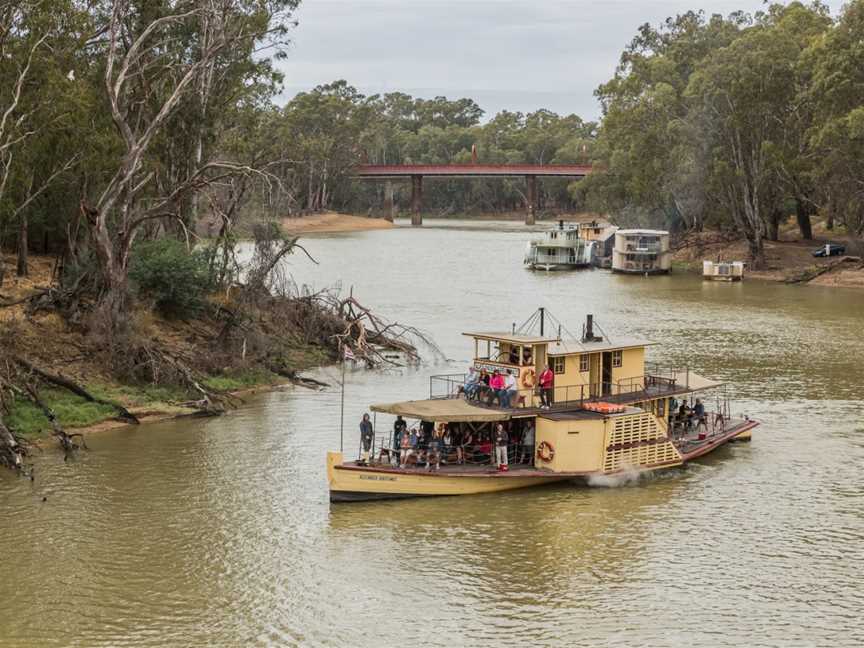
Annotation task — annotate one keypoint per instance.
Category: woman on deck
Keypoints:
(409, 440)
(434, 454)
(547, 387)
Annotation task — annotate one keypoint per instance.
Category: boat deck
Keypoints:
(457, 470)
(648, 393)
(689, 445)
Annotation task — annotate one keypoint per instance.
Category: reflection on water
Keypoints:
(219, 532)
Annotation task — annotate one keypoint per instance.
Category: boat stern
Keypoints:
(333, 459)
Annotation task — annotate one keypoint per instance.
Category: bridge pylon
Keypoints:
(531, 211)
(416, 200)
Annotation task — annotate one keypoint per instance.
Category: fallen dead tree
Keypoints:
(809, 274)
(21, 379)
(13, 449)
(75, 388)
(370, 337)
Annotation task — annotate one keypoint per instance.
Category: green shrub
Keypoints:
(174, 278)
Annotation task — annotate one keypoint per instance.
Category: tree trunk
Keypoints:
(115, 299)
(802, 213)
(773, 225)
(757, 251)
(829, 224)
(23, 268)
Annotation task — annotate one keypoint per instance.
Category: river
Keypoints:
(219, 532)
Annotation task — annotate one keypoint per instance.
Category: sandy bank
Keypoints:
(789, 261)
(333, 222)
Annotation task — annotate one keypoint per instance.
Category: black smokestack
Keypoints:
(588, 336)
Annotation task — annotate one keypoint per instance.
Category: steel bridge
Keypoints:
(417, 172)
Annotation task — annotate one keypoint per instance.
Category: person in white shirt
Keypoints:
(509, 391)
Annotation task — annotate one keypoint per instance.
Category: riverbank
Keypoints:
(72, 351)
(332, 222)
(788, 260)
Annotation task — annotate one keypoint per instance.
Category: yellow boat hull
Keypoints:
(746, 435)
(349, 484)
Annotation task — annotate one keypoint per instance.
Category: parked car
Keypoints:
(829, 249)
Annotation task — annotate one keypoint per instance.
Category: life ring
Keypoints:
(545, 451)
(528, 378)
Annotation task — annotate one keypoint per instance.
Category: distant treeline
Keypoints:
(127, 119)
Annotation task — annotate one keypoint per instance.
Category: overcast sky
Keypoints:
(505, 54)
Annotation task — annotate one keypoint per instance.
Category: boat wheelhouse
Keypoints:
(563, 248)
(606, 413)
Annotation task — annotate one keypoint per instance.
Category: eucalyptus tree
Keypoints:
(38, 41)
(836, 89)
(650, 166)
(160, 60)
(745, 100)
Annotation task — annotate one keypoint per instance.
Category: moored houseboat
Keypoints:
(606, 413)
(563, 248)
(641, 251)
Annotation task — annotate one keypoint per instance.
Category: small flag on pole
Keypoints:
(348, 353)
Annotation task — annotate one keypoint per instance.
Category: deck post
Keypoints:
(416, 200)
(530, 215)
(389, 207)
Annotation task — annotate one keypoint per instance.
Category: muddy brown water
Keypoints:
(219, 532)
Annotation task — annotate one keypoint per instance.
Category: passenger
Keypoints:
(501, 441)
(483, 447)
(699, 414)
(447, 442)
(527, 455)
(426, 430)
(458, 441)
(527, 360)
(399, 427)
(367, 434)
(483, 385)
(496, 388)
(514, 356)
(547, 387)
(472, 384)
(510, 390)
(409, 441)
(434, 454)
(468, 446)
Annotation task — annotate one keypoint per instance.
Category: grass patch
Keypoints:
(242, 380)
(685, 266)
(29, 421)
(139, 395)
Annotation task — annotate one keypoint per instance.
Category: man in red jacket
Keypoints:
(547, 387)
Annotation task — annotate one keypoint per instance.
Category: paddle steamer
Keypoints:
(563, 248)
(611, 415)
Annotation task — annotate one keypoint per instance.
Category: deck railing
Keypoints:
(632, 389)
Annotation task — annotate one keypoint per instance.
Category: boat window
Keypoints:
(661, 407)
(558, 364)
(584, 362)
(616, 358)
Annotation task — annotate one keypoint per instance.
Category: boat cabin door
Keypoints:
(539, 358)
(606, 386)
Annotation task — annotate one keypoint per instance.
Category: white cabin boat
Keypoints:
(560, 249)
(723, 270)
